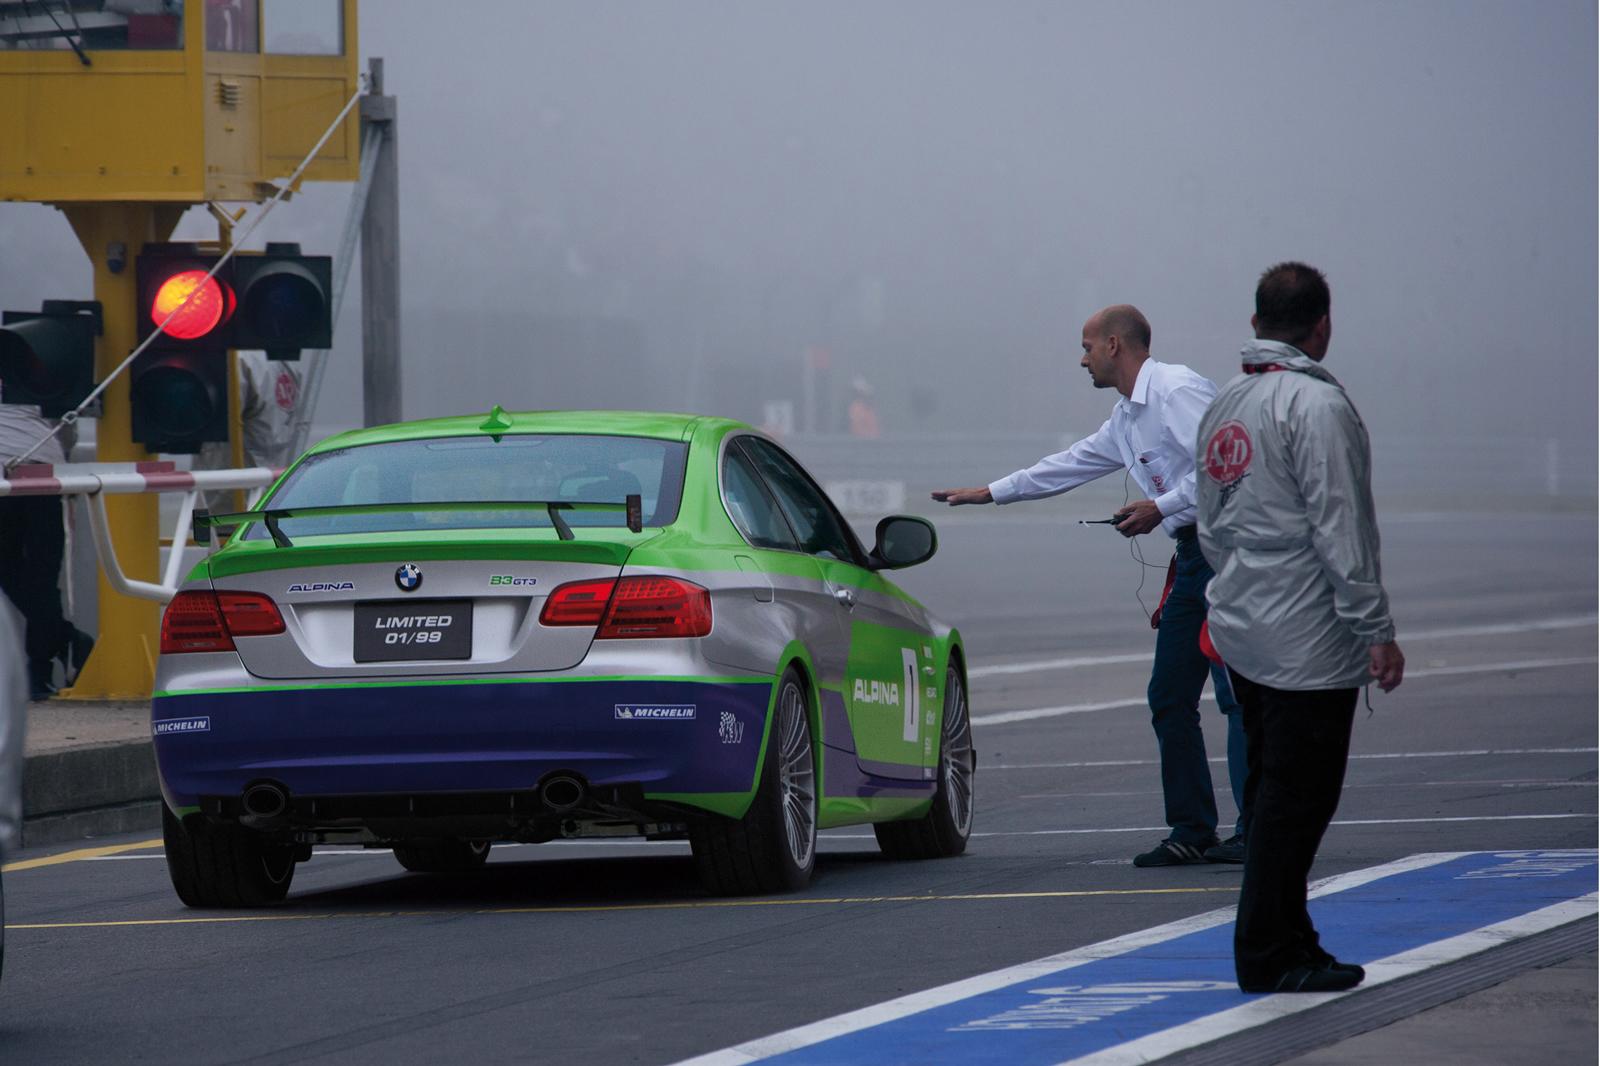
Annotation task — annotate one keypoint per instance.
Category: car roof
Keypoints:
(660, 425)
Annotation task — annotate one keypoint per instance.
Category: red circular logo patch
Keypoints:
(1228, 453)
(286, 391)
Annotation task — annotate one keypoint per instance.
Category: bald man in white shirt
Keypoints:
(1151, 434)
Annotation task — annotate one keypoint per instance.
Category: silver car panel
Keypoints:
(320, 625)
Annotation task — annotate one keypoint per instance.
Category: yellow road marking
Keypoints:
(839, 900)
(585, 909)
(79, 855)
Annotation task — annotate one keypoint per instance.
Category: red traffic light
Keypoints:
(196, 303)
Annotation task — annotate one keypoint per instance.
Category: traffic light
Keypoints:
(180, 383)
(47, 356)
(277, 300)
(285, 301)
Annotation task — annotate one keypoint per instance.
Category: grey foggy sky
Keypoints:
(940, 193)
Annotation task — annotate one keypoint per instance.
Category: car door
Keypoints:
(779, 596)
(890, 684)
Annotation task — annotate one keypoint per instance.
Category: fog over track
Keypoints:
(669, 206)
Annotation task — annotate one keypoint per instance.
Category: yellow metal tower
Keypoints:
(123, 120)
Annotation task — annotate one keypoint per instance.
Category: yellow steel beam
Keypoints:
(123, 663)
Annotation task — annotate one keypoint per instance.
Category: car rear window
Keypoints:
(566, 468)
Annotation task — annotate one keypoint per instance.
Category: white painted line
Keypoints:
(1538, 783)
(1380, 971)
(867, 1017)
(1372, 755)
(1029, 715)
(1032, 713)
(1511, 667)
(1029, 666)
(1336, 821)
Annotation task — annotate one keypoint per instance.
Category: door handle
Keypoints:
(845, 596)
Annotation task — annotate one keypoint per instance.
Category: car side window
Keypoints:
(750, 505)
(813, 518)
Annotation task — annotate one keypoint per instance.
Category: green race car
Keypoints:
(440, 634)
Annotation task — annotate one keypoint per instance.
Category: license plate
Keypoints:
(413, 629)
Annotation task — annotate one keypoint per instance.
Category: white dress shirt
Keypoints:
(1151, 433)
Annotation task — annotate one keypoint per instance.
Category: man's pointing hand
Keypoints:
(957, 497)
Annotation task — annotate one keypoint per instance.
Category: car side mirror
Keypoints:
(903, 540)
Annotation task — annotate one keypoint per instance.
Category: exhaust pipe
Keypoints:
(562, 792)
(264, 801)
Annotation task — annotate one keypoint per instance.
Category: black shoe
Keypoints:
(74, 655)
(1334, 977)
(1172, 853)
(1328, 962)
(41, 675)
(1230, 850)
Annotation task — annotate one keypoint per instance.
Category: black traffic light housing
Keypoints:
(180, 399)
(285, 301)
(179, 384)
(47, 356)
(277, 300)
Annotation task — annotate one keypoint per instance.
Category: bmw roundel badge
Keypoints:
(408, 577)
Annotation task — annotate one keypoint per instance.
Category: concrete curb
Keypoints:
(88, 792)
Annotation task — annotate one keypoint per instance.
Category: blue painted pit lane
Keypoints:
(1151, 994)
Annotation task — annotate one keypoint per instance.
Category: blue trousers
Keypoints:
(1176, 681)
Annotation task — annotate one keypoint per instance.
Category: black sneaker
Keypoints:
(1313, 978)
(1230, 850)
(1173, 853)
(1324, 961)
(41, 674)
(74, 655)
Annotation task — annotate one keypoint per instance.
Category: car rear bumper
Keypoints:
(667, 736)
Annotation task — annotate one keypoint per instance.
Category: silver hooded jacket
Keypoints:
(13, 708)
(1286, 520)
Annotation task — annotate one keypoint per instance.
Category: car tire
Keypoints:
(443, 856)
(773, 848)
(220, 865)
(944, 830)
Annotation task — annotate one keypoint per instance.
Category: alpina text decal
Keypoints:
(885, 692)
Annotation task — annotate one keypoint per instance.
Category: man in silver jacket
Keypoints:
(13, 705)
(1297, 610)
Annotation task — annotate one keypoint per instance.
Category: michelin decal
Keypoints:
(654, 712)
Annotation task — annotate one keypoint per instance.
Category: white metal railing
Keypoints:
(95, 481)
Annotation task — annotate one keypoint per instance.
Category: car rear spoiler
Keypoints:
(633, 507)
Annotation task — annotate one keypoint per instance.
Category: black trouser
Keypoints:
(31, 544)
(1297, 744)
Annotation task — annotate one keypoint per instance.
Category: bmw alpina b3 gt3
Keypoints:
(438, 635)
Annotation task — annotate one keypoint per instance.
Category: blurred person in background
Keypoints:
(863, 413)
(32, 542)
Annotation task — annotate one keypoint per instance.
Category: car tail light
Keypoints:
(656, 607)
(201, 620)
(250, 614)
(631, 607)
(578, 603)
